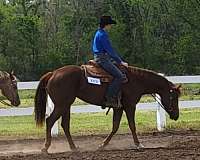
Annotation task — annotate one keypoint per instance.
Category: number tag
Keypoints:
(94, 80)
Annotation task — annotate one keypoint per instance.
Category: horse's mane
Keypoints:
(140, 71)
(152, 76)
(142, 74)
(3, 74)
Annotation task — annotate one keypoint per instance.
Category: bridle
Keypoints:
(171, 98)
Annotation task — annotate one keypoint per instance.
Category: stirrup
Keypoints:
(113, 103)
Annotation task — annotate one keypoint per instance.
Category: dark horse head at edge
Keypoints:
(65, 84)
(8, 87)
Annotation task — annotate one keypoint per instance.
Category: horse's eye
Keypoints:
(14, 84)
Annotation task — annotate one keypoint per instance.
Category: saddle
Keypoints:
(92, 69)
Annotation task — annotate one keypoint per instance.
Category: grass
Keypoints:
(99, 123)
(96, 123)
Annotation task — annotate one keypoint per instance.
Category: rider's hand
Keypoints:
(124, 64)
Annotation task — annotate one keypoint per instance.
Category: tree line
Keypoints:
(37, 36)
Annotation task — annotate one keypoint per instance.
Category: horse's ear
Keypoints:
(179, 86)
(179, 89)
(13, 76)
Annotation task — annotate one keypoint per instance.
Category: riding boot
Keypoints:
(113, 101)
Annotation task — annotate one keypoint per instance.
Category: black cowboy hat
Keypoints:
(104, 20)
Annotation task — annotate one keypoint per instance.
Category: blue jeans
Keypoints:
(105, 62)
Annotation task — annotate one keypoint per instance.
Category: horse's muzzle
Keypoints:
(16, 103)
(174, 117)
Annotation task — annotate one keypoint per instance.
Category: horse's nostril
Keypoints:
(15, 103)
(18, 103)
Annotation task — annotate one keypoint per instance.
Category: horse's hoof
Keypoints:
(137, 147)
(101, 147)
(44, 150)
(75, 149)
(140, 147)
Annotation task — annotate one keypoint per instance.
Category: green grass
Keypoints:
(96, 123)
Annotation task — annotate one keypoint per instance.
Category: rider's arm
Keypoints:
(108, 48)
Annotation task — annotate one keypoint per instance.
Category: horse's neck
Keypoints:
(149, 82)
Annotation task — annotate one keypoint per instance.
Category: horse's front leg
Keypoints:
(130, 114)
(117, 114)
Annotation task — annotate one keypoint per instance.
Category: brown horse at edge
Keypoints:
(65, 84)
(8, 87)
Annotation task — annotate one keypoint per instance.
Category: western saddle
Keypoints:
(92, 69)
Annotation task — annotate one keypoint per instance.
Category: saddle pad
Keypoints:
(97, 72)
(92, 69)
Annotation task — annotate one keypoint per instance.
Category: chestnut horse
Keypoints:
(65, 84)
(8, 87)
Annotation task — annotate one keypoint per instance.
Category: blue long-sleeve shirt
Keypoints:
(101, 44)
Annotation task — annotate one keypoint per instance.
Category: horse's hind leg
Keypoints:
(117, 114)
(49, 124)
(66, 127)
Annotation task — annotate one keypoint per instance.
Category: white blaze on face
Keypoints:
(49, 106)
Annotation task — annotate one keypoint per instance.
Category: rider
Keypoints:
(103, 55)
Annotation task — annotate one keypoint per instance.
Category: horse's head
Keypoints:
(169, 100)
(9, 88)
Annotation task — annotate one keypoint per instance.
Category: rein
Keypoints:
(157, 99)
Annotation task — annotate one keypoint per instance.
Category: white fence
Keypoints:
(161, 118)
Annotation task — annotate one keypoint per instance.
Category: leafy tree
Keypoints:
(37, 36)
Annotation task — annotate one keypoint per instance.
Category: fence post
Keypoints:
(161, 115)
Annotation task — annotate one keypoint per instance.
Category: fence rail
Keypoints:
(174, 79)
(161, 118)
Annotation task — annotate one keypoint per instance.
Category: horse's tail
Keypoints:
(41, 99)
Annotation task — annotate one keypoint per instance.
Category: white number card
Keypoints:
(94, 80)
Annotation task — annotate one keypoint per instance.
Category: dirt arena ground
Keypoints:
(171, 145)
